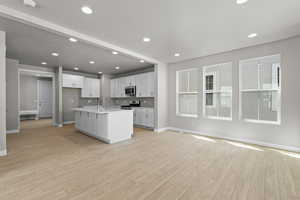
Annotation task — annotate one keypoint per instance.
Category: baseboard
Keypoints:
(158, 130)
(69, 122)
(255, 142)
(3, 153)
(12, 131)
(58, 125)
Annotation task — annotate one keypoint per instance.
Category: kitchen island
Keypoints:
(110, 126)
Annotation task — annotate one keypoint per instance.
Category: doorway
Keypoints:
(36, 99)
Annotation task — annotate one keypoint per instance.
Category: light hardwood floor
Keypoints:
(48, 163)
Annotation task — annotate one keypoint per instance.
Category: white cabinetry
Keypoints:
(144, 117)
(113, 88)
(72, 81)
(103, 125)
(144, 85)
(91, 88)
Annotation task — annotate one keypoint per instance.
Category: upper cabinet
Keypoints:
(91, 88)
(144, 85)
(72, 81)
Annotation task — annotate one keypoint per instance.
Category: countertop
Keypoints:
(101, 111)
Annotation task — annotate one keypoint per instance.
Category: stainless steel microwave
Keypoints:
(130, 91)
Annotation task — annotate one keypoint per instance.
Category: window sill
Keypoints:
(262, 122)
(187, 115)
(218, 118)
(261, 90)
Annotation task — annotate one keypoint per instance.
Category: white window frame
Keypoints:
(178, 93)
(241, 91)
(214, 91)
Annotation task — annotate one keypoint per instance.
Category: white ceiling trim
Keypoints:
(66, 32)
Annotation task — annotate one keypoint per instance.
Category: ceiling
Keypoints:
(32, 46)
(193, 28)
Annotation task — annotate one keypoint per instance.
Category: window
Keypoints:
(217, 91)
(260, 89)
(209, 82)
(187, 93)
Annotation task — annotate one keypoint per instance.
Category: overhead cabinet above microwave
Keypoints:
(143, 83)
(90, 87)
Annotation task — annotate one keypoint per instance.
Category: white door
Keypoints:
(45, 98)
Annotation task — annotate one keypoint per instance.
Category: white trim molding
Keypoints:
(255, 142)
(12, 131)
(3, 152)
(60, 30)
(58, 125)
(159, 130)
(69, 122)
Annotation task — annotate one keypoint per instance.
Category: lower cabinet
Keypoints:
(144, 117)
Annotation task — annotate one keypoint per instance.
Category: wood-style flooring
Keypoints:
(48, 163)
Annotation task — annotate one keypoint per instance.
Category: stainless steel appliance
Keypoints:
(130, 91)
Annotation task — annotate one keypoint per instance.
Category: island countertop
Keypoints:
(101, 111)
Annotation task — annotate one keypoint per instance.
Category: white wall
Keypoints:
(12, 94)
(287, 134)
(12, 67)
(2, 94)
(28, 92)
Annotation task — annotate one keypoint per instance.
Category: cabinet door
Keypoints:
(146, 117)
(150, 117)
(121, 88)
(72, 81)
(140, 116)
(101, 125)
(77, 120)
(112, 88)
(96, 88)
(84, 121)
(78, 81)
(151, 84)
(134, 117)
(67, 80)
(145, 92)
(131, 81)
(93, 124)
(91, 88)
(85, 89)
(141, 85)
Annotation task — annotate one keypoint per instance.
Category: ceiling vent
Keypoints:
(30, 3)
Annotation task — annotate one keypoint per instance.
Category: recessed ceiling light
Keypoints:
(44, 63)
(54, 54)
(177, 54)
(252, 35)
(92, 62)
(76, 68)
(30, 3)
(99, 72)
(146, 39)
(117, 67)
(115, 53)
(38, 75)
(142, 61)
(241, 1)
(86, 10)
(73, 39)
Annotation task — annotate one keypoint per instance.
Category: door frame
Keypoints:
(40, 74)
